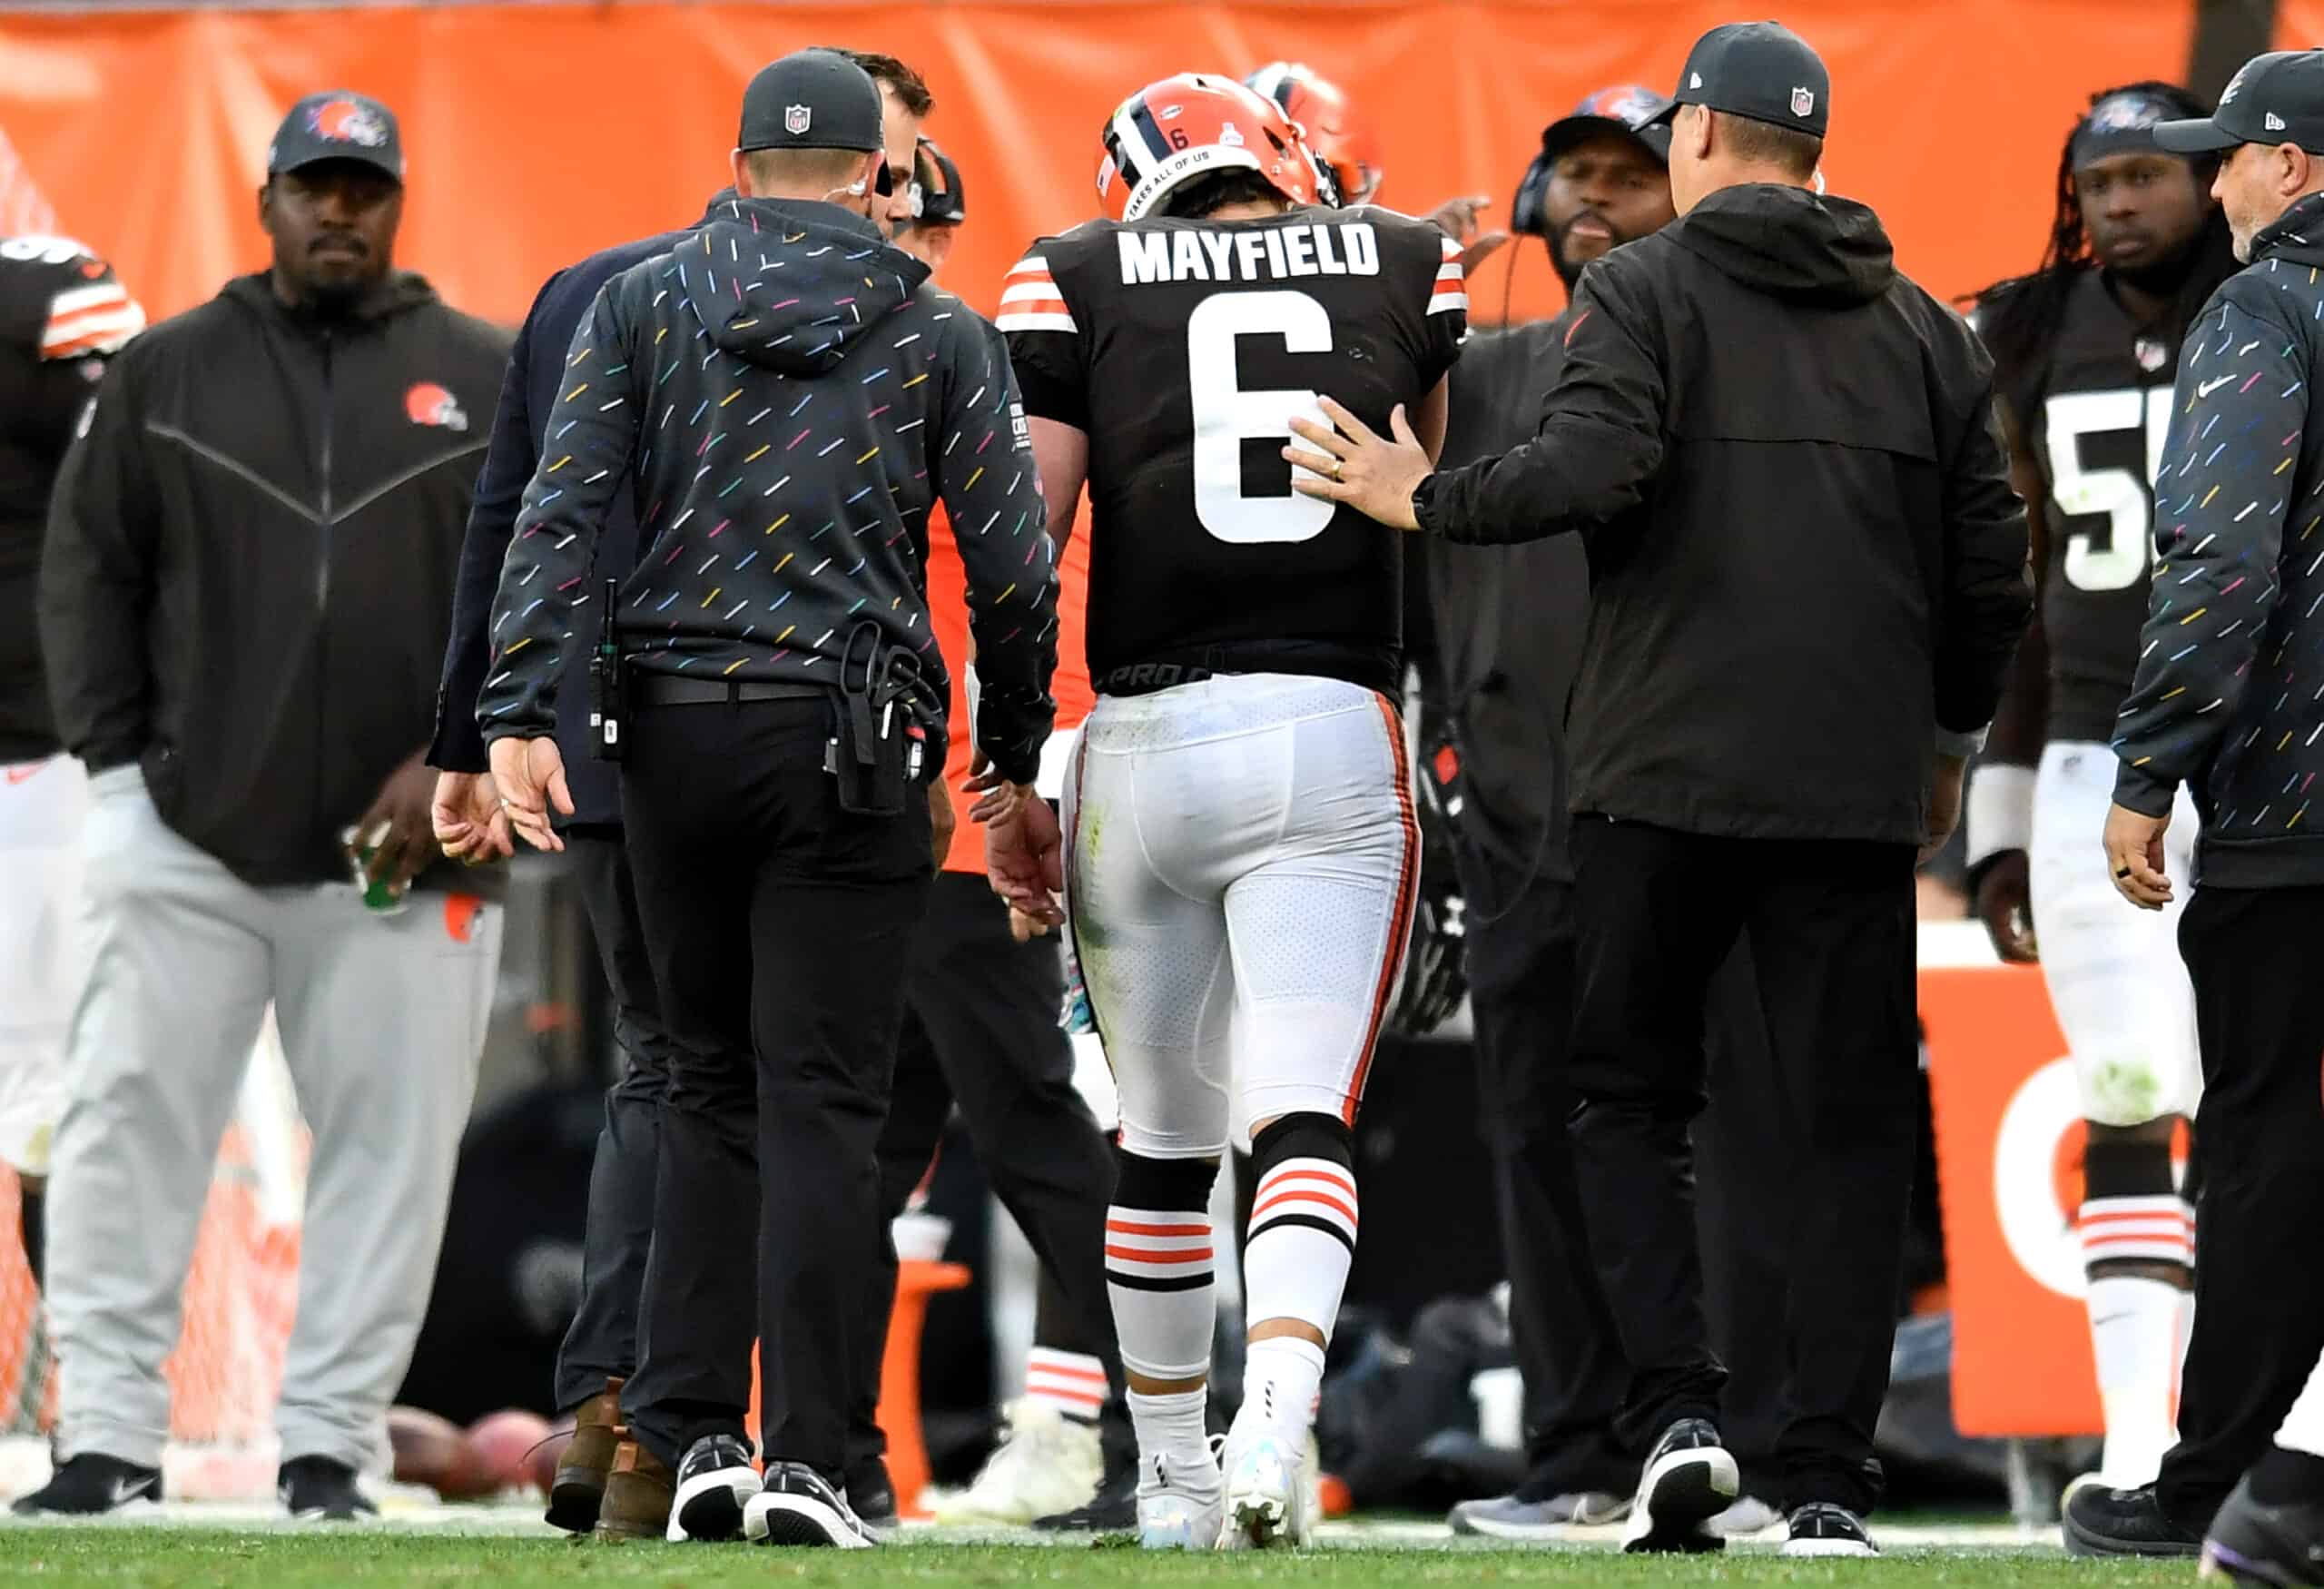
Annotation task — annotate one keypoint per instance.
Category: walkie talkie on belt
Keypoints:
(607, 705)
(876, 750)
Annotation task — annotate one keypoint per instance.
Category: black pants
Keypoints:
(778, 926)
(2260, 1152)
(1831, 934)
(1521, 993)
(1520, 990)
(981, 1030)
(601, 1340)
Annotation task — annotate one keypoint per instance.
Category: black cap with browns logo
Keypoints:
(1761, 70)
(336, 125)
(1641, 113)
(2277, 98)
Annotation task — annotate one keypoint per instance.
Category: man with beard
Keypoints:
(1509, 622)
(2085, 349)
(242, 611)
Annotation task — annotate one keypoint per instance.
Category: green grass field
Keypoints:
(167, 1558)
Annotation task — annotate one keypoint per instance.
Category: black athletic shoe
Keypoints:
(715, 1482)
(1689, 1479)
(2251, 1542)
(872, 1495)
(315, 1489)
(90, 1484)
(1112, 1510)
(1820, 1529)
(799, 1506)
(2099, 1521)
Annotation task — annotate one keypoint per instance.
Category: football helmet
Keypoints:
(1193, 124)
(1325, 117)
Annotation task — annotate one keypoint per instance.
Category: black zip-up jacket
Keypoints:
(534, 380)
(1805, 559)
(249, 560)
(1509, 622)
(784, 400)
(2228, 695)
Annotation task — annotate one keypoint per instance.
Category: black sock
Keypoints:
(32, 1210)
(2288, 1478)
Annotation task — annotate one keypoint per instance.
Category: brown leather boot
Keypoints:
(638, 1494)
(579, 1487)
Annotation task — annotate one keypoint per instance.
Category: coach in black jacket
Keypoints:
(1809, 574)
(784, 400)
(242, 609)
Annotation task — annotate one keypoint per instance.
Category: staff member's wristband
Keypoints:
(1999, 812)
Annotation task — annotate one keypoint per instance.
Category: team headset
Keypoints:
(1529, 211)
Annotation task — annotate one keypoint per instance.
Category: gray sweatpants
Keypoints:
(382, 1018)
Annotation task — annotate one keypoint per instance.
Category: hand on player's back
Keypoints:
(1349, 462)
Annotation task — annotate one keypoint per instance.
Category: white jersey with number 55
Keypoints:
(1183, 349)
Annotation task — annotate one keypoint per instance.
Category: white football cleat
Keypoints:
(1271, 1496)
(1045, 1463)
(1181, 1503)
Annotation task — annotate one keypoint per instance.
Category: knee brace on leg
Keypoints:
(1160, 1266)
(1303, 1222)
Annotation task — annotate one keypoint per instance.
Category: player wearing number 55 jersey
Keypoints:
(1240, 851)
(2086, 349)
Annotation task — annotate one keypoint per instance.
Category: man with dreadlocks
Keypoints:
(2086, 350)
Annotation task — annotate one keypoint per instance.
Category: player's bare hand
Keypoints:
(1945, 804)
(530, 776)
(1349, 462)
(1024, 857)
(2004, 904)
(2134, 856)
(468, 819)
(402, 817)
(943, 822)
(1024, 928)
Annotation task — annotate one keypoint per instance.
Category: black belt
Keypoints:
(669, 689)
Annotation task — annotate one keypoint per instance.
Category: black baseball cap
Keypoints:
(1761, 70)
(813, 99)
(2276, 98)
(941, 203)
(1626, 108)
(337, 125)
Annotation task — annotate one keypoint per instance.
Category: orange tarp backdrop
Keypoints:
(540, 132)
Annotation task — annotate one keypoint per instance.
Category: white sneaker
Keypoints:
(1045, 1463)
(1272, 1493)
(1181, 1502)
(715, 1483)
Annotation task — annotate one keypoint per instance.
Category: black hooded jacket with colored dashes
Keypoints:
(785, 398)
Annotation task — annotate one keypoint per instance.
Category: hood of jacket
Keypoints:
(792, 285)
(2298, 234)
(1791, 243)
(397, 293)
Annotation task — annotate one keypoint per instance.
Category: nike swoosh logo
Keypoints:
(2210, 387)
(125, 1490)
(24, 774)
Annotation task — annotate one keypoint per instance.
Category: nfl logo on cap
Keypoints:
(1803, 102)
(795, 118)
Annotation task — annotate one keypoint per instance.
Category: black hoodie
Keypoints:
(1806, 558)
(784, 400)
(244, 584)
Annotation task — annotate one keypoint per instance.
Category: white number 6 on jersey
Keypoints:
(1225, 416)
